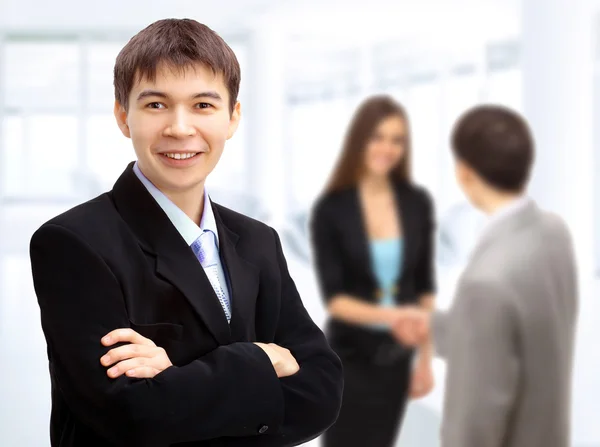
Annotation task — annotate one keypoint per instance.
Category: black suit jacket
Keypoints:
(343, 262)
(117, 261)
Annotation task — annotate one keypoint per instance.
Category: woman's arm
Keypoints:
(354, 310)
(425, 279)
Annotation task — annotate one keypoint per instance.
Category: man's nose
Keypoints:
(181, 125)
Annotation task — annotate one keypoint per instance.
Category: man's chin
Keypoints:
(183, 187)
(179, 182)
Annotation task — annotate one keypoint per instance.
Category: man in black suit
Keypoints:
(169, 319)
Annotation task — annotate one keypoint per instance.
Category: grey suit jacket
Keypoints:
(508, 337)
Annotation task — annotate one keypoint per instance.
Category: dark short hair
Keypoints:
(369, 114)
(495, 142)
(180, 43)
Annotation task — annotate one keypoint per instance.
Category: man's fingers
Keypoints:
(409, 332)
(282, 359)
(126, 335)
(122, 367)
(126, 352)
(142, 372)
(411, 326)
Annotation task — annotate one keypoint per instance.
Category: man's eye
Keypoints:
(203, 105)
(155, 105)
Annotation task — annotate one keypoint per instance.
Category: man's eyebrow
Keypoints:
(148, 93)
(208, 94)
(156, 93)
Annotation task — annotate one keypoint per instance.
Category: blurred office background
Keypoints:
(305, 66)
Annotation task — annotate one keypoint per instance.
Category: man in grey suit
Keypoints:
(508, 337)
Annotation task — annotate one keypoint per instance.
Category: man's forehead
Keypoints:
(167, 73)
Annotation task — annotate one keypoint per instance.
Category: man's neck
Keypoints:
(493, 202)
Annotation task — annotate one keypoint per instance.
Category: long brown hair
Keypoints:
(367, 117)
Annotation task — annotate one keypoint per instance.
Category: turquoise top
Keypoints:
(386, 262)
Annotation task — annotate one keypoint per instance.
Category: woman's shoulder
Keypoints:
(415, 192)
(332, 201)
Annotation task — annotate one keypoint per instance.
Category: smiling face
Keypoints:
(386, 147)
(178, 125)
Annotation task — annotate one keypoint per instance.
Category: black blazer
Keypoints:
(343, 262)
(117, 261)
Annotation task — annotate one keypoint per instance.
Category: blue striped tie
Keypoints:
(205, 249)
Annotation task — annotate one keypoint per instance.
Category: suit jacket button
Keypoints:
(263, 429)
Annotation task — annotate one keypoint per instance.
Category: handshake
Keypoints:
(410, 325)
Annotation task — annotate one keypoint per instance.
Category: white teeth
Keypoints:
(180, 156)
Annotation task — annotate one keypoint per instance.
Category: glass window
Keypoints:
(52, 161)
(108, 152)
(40, 153)
(316, 136)
(596, 146)
(41, 74)
(423, 107)
(504, 87)
(13, 160)
(100, 65)
(400, 94)
(503, 82)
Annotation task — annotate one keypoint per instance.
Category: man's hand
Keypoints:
(282, 359)
(422, 381)
(412, 325)
(140, 359)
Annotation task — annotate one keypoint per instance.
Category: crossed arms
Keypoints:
(229, 392)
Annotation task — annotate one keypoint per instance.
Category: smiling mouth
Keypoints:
(180, 156)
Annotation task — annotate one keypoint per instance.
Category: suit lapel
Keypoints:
(186, 273)
(175, 261)
(243, 279)
(409, 225)
(360, 234)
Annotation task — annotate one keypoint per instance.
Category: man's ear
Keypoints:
(121, 117)
(234, 120)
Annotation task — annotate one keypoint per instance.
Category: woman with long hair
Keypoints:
(372, 239)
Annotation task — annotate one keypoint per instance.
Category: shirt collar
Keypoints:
(184, 225)
(507, 210)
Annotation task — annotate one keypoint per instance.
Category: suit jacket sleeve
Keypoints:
(439, 327)
(483, 366)
(313, 395)
(326, 253)
(232, 391)
(425, 271)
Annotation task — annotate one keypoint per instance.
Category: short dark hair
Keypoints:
(496, 142)
(369, 114)
(180, 43)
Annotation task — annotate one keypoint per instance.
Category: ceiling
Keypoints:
(310, 22)
(127, 15)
